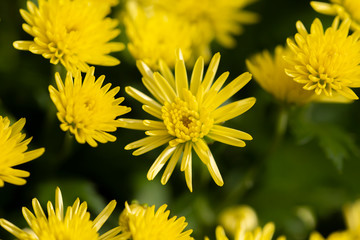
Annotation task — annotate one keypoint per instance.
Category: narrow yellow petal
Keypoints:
(141, 97)
(167, 89)
(152, 111)
(160, 162)
(11, 228)
(225, 131)
(133, 124)
(39, 212)
(59, 205)
(104, 215)
(233, 110)
(226, 139)
(181, 80)
(211, 72)
(230, 90)
(197, 75)
(166, 72)
(186, 155)
(23, 45)
(172, 163)
(188, 173)
(322, 7)
(214, 170)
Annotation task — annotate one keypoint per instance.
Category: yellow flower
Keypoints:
(341, 235)
(102, 5)
(86, 108)
(13, 152)
(75, 225)
(72, 32)
(212, 20)
(156, 35)
(209, 20)
(352, 218)
(326, 62)
(143, 223)
(258, 234)
(269, 72)
(186, 115)
(342, 8)
(242, 215)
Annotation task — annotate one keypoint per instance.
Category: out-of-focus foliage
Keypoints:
(298, 177)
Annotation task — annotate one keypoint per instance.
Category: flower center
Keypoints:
(185, 121)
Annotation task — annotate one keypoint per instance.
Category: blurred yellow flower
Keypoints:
(72, 32)
(352, 218)
(269, 72)
(145, 224)
(187, 114)
(209, 20)
(13, 152)
(326, 62)
(86, 108)
(258, 234)
(155, 35)
(234, 217)
(75, 225)
(219, 19)
(102, 5)
(341, 235)
(342, 8)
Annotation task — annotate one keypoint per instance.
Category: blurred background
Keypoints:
(300, 182)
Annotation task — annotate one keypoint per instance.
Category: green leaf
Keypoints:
(336, 143)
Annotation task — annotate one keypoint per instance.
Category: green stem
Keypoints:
(67, 147)
(281, 127)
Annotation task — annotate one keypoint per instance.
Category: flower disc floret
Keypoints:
(185, 122)
(13, 152)
(326, 62)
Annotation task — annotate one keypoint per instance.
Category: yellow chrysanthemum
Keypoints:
(341, 235)
(75, 225)
(212, 19)
(186, 115)
(86, 108)
(156, 35)
(103, 5)
(242, 215)
(72, 32)
(241, 234)
(342, 8)
(326, 62)
(352, 218)
(13, 152)
(269, 72)
(143, 223)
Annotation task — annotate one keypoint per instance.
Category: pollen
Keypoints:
(185, 122)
